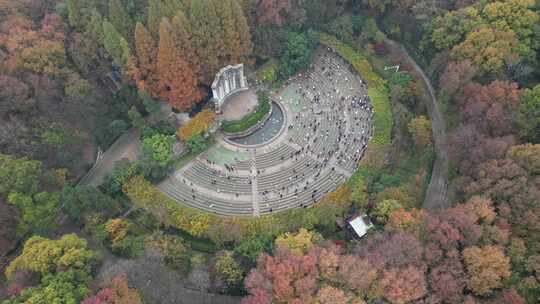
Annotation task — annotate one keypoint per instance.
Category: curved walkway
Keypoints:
(437, 192)
(127, 146)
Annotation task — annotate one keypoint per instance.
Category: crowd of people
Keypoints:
(336, 113)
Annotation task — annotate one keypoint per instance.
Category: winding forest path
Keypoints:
(437, 192)
(126, 146)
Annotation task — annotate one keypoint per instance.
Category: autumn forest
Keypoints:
(449, 181)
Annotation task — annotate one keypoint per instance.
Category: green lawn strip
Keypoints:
(382, 118)
(222, 156)
(185, 159)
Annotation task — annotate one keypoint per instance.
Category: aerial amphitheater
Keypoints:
(308, 143)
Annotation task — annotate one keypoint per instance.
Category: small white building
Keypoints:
(360, 225)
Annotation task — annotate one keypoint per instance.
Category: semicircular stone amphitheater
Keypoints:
(326, 129)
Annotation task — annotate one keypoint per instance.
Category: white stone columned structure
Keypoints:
(228, 81)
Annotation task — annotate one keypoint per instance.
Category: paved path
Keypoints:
(437, 192)
(126, 146)
(254, 186)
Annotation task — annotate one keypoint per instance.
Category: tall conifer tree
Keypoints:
(145, 48)
(121, 20)
(119, 49)
(229, 33)
(207, 38)
(93, 36)
(157, 9)
(94, 29)
(181, 31)
(74, 12)
(245, 44)
(111, 42)
(177, 83)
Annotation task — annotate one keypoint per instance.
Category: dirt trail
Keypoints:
(437, 192)
(125, 147)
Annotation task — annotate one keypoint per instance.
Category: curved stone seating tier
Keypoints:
(267, 159)
(244, 165)
(288, 177)
(305, 198)
(326, 135)
(202, 175)
(273, 157)
(183, 193)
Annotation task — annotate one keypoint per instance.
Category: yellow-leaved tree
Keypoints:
(197, 125)
(299, 243)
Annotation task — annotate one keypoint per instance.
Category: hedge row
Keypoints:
(252, 119)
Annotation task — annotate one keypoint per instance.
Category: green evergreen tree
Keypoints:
(145, 47)
(111, 42)
(154, 16)
(158, 9)
(181, 31)
(121, 20)
(74, 9)
(528, 116)
(91, 44)
(228, 32)
(119, 49)
(175, 5)
(94, 29)
(245, 47)
(136, 118)
(207, 40)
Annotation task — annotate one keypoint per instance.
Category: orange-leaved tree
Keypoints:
(145, 47)
(487, 267)
(176, 82)
(197, 125)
